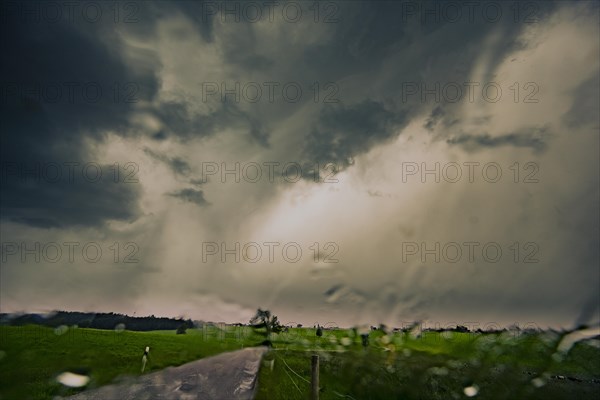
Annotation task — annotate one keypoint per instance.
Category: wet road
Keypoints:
(225, 376)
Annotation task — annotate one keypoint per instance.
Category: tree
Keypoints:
(181, 329)
(264, 319)
(319, 331)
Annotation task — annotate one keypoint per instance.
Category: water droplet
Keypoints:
(415, 331)
(120, 327)
(398, 341)
(538, 382)
(73, 380)
(2, 354)
(570, 339)
(475, 362)
(471, 391)
(594, 343)
(333, 293)
(549, 337)
(61, 330)
(346, 341)
(441, 371)
(344, 294)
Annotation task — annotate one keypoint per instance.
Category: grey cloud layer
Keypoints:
(370, 54)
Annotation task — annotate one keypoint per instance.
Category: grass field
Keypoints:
(395, 366)
(31, 356)
(432, 366)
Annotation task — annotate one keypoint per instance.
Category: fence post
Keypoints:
(315, 378)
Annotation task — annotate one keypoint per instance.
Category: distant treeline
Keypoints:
(96, 321)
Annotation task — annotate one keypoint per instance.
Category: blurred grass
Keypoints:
(430, 366)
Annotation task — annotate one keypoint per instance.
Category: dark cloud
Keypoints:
(534, 138)
(369, 53)
(343, 132)
(176, 164)
(243, 52)
(88, 199)
(201, 12)
(186, 124)
(191, 196)
(410, 52)
(63, 86)
(159, 136)
(586, 104)
(197, 182)
(364, 32)
(434, 118)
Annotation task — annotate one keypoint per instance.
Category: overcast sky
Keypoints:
(344, 162)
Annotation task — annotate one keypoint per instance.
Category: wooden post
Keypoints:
(315, 378)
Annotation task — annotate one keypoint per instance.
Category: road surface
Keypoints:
(225, 376)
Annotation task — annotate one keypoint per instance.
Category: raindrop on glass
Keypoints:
(72, 380)
(471, 391)
(61, 330)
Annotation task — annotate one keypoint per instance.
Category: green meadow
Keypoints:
(32, 356)
(432, 365)
(429, 365)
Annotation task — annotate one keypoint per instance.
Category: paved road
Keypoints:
(223, 377)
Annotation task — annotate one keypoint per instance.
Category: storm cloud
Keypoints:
(182, 133)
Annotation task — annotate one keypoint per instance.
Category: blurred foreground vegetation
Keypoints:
(432, 365)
